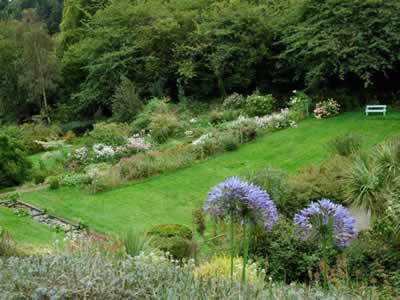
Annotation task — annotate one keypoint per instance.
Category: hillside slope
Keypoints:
(170, 198)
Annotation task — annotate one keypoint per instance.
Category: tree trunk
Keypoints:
(46, 107)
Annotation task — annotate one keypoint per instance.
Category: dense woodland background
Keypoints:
(69, 60)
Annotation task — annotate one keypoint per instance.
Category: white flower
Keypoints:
(193, 120)
(202, 140)
(137, 143)
(102, 151)
(80, 154)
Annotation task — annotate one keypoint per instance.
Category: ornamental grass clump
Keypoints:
(242, 203)
(328, 223)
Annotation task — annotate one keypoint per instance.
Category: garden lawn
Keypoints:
(25, 232)
(170, 197)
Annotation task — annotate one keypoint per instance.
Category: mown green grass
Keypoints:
(27, 233)
(170, 198)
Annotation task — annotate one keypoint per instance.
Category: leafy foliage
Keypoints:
(340, 39)
(126, 102)
(172, 238)
(345, 145)
(14, 166)
(141, 277)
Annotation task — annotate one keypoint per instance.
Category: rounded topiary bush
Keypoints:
(259, 105)
(54, 183)
(172, 238)
(171, 230)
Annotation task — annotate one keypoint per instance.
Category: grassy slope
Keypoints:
(170, 198)
(26, 232)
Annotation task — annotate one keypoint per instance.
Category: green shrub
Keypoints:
(39, 177)
(170, 230)
(76, 180)
(207, 145)
(14, 166)
(176, 246)
(151, 163)
(247, 133)
(114, 134)
(313, 183)
(199, 220)
(287, 258)
(230, 115)
(126, 102)
(54, 183)
(374, 260)
(141, 122)
(104, 180)
(143, 119)
(300, 103)
(172, 238)
(234, 101)
(216, 117)
(163, 126)
(259, 105)
(26, 135)
(275, 183)
(78, 127)
(229, 141)
(7, 245)
(345, 145)
(136, 243)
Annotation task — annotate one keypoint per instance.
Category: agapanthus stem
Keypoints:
(325, 261)
(245, 251)
(232, 238)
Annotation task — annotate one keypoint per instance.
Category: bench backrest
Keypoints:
(376, 106)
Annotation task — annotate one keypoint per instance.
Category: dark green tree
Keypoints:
(14, 166)
(126, 101)
(344, 39)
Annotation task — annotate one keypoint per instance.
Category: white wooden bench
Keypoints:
(376, 109)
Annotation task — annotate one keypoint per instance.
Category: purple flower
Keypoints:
(324, 212)
(241, 200)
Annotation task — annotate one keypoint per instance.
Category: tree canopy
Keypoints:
(197, 50)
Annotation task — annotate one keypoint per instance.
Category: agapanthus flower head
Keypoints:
(313, 218)
(242, 201)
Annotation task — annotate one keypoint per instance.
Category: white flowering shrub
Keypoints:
(234, 101)
(103, 152)
(300, 102)
(325, 109)
(275, 120)
(137, 144)
(80, 155)
(203, 139)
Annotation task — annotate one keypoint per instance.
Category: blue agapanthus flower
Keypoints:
(326, 213)
(241, 200)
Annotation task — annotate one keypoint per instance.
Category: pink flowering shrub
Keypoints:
(325, 109)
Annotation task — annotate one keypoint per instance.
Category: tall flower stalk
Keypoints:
(328, 223)
(242, 203)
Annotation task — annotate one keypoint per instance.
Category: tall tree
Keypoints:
(49, 11)
(13, 106)
(40, 70)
